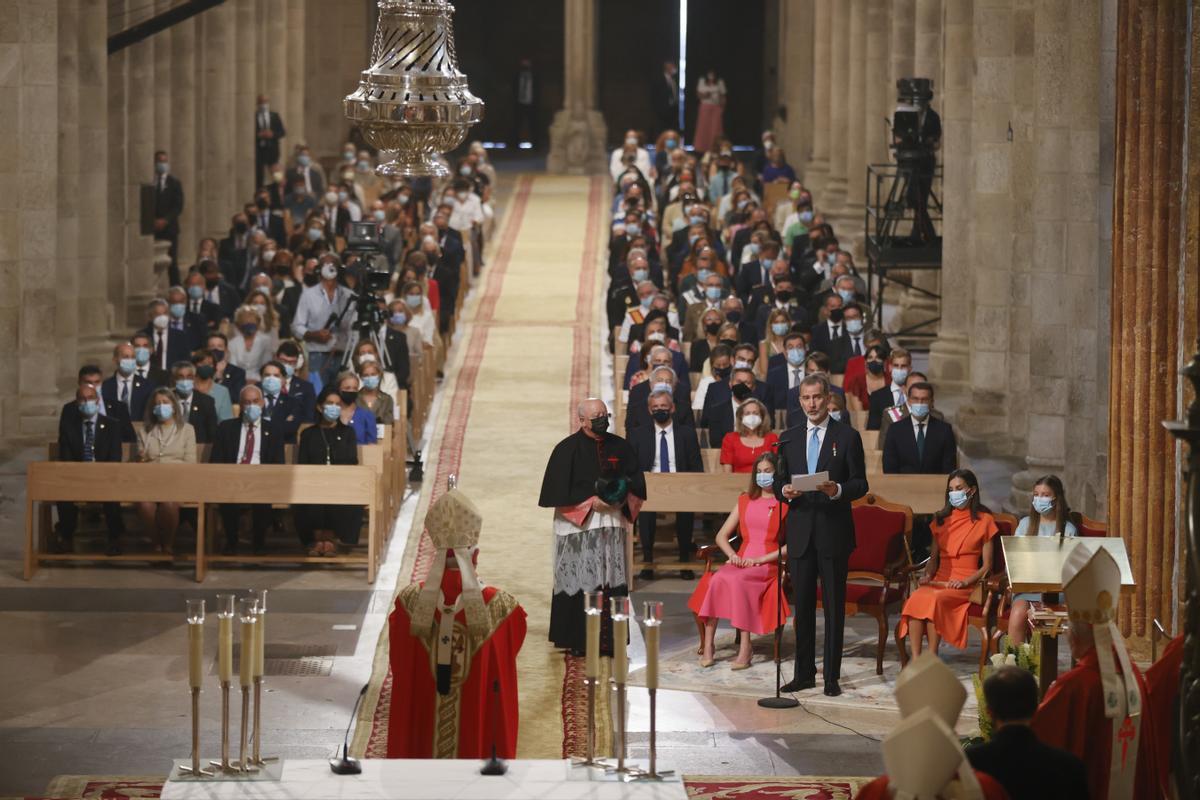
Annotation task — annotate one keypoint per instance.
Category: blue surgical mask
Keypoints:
(379, 214)
(854, 326)
(795, 356)
(89, 408)
(632, 229)
(899, 375)
(661, 387)
(331, 411)
(847, 295)
(919, 410)
(764, 479)
(806, 217)
(669, 142)
(289, 369)
(399, 318)
(195, 292)
(640, 275)
(779, 328)
(127, 366)
(412, 300)
(184, 386)
(141, 355)
(272, 384)
(164, 411)
(252, 413)
(161, 167)
(752, 248)
(1043, 504)
(959, 498)
(831, 258)
(304, 159)
(178, 310)
(703, 274)
(712, 292)
(647, 301)
(370, 382)
(314, 234)
(836, 415)
(696, 219)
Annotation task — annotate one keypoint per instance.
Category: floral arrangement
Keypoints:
(1025, 656)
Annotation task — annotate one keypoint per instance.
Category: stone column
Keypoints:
(67, 229)
(949, 353)
(1151, 318)
(880, 98)
(295, 69)
(164, 62)
(856, 105)
(816, 174)
(903, 33)
(247, 85)
(834, 194)
(141, 283)
(95, 312)
(278, 52)
(927, 61)
(795, 81)
(182, 42)
(118, 196)
(577, 135)
(216, 155)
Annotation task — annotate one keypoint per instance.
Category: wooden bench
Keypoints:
(202, 485)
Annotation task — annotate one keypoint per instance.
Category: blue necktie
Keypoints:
(814, 450)
(664, 454)
(89, 441)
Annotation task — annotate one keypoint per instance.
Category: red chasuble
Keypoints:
(1162, 683)
(878, 789)
(1071, 717)
(465, 722)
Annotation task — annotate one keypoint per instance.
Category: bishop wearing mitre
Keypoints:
(454, 644)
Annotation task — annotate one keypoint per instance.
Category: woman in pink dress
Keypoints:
(711, 91)
(745, 590)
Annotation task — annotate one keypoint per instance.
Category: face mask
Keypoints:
(662, 387)
(783, 296)
(764, 480)
(647, 300)
(241, 227)
(854, 325)
(211, 283)
(331, 198)
(218, 355)
(959, 499)
(734, 316)
(141, 355)
(164, 411)
(847, 295)
(329, 271)
(379, 214)
(1043, 504)
(899, 374)
(402, 199)
(696, 219)
(249, 328)
(740, 364)
(779, 328)
(184, 386)
(272, 384)
(599, 425)
(713, 292)
(660, 415)
(161, 167)
(261, 308)
(722, 373)
(711, 328)
(741, 206)
(348, 156)
(127, 366)
(795, 356)
(399, 318)
(268, 256)
(919, 410)
(195, 292)
(363, 166)
(640, 275)
(875, 367)
(669, 143)
(741, 392)
(752, 421)
(303, 160)
(331, 411)
(278, 176)
(252, 413)
(831, 258)
(806, 217)
(178, 310)
(290, 369)
(631, 141)
(692, 238)
(205, 372)
(342, 197)
(314, 234)
(89, 408)
(837, 415)
(752, 248)
(412, 300)
(161, 321)
(656, 336)
(370, 382)
(703, 274)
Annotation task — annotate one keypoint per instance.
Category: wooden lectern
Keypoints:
(1035, 564)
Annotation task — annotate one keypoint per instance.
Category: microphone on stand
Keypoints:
(779, 701)
(347, 765)
(494, 765)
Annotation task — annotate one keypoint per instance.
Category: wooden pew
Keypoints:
(202, 485)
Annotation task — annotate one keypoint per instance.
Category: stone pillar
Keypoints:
(1151, 318)
(834, 194)
(216, 155)
(856, 109)
(795, 83)
(94, 310)
(949, 354)
(880, 98)
(164, 62)
(577, 135)
(816, 174)
(278, 52)
(927, 60)
(182, 42)
(247, 84)
(118, 196)
(903, 35)
(67, 228)
(140, 281)
(295, 69)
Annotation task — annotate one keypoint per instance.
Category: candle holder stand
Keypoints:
(224, 764)
(653, 773)
(243, 764)
(256, 758)
(195, 768)
(590, 760)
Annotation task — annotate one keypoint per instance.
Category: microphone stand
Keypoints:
(347, 765)
(494, 765)
(778, 701)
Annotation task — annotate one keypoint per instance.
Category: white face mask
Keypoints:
(331, 198)
(752, 421)
(160, 321)
(329, 272)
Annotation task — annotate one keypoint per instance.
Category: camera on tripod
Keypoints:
(363, 241)
(912, 104)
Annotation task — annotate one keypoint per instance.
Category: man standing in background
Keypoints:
(268, 130)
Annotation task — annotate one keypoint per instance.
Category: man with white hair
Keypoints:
(595, 487)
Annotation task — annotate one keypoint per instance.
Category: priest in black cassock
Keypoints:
(595, 488)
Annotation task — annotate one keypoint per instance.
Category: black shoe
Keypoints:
(646, 574)
(832, 689)
(64, 545)
(799, 685)
(114, 549)
(417, 473)
(687, 575)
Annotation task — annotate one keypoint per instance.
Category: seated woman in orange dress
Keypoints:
(751, 437)
(745, 591)
(963, 531)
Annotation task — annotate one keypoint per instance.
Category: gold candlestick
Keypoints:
(652, 612)
(248, 616)
(195, 628)
(593, 607)
(260, 649)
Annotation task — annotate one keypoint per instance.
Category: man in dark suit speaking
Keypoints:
(820, 527)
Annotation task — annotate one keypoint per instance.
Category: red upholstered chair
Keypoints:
(880, 564)
(1085, 526)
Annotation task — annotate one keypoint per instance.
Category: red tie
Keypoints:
(248, 451)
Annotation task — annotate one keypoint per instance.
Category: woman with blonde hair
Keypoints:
(249, 347)
(366, 353)
(261, 300)
(751, 437)
(779, 323)
(165, 438)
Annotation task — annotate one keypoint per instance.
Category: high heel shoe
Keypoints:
(735, 667)
(707, 662)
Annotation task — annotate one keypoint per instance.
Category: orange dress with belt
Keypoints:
(960, 541)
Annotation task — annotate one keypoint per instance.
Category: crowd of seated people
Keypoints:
(257, 349)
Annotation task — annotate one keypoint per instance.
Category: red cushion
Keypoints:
(879, 538)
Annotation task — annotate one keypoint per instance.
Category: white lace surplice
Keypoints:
(588, 557)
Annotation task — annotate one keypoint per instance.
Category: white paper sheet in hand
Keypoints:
(809, 483)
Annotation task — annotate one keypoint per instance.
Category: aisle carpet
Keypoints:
(523, 358)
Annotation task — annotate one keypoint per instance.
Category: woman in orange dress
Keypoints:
(963, 531)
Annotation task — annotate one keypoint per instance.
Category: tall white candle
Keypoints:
(195, 654)
(260, 636)
(224, 648)
(246, 657)
(592, 667)
(620, 649)
(652, 631)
